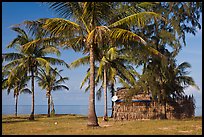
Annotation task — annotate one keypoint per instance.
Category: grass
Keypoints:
(76, 124)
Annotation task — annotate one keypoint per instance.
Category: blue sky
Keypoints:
(17, 12)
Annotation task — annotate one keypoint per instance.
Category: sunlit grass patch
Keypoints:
(76, 124)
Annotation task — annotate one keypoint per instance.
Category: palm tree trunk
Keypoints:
(48, 95)
(32, 89)
(92, 118)
(165, 116)
(112, 103)
(112, 110)
(16, 110)
(105, 117)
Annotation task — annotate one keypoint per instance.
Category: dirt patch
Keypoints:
(105, 124)
(185, 131)
(164, 128)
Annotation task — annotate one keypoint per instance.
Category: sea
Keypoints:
(66, 109)
(59, 109)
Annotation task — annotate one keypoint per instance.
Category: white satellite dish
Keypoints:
(114, 98)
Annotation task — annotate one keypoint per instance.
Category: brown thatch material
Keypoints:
(142, 107)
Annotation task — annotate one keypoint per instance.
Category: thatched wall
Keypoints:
(142, 107)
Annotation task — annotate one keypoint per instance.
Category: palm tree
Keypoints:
(166, 81)
(31, 54)
(82, 31)
(18, 84)
(49, 81)
(112, 66)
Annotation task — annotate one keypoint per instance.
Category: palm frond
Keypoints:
(81, 61)
(66, 9)
(58, 26)
(139, 19)
(60, 87)
(51, 49)
(62, 79)
(125, 36)
(55, 61)
(26, 90)
(12, 56)
(85, 79)
(99, 93)
(43, 62)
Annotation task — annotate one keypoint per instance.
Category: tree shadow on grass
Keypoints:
(13, 119)
(16, 121)
(74, 116)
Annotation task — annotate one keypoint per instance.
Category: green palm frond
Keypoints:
(146, 5)
(77, 43)
(187, 80)
(98, 35)
(156, 52)
(125, 36)
(55, 61)
(87, 88)
(43, 62)
(62, 79)
(99, 93)
(58, 26)
(26, 90)
(97, 13)
(100, 69)
(17, 41)
(66, 9)
(12, 56)
(138, 19)
(35, 28)
(112, 53)
(51, 50)
(22, 37)
(86, 78)
(123, 82)
(112, 75)
(81, 61)
(29, 47)
(34, 44)
(20, 31)
(60, 87)
(184, 65)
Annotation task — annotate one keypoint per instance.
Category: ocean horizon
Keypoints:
(59, 109)
(65, 109)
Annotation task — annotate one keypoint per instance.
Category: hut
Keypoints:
(141, 107)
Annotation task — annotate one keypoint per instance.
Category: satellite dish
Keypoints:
(114, 98)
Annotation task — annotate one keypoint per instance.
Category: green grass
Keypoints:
(76, 124)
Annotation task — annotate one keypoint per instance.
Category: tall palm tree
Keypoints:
(18, 84)
(49, 80)
(82, 31)
(31, 54)
(111, 65)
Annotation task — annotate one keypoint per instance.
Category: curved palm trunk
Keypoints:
(16, 109)
(105, 117)
(32, 89)
(48, 102)
(92, 118)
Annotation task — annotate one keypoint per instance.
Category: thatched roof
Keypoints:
(121, 93)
